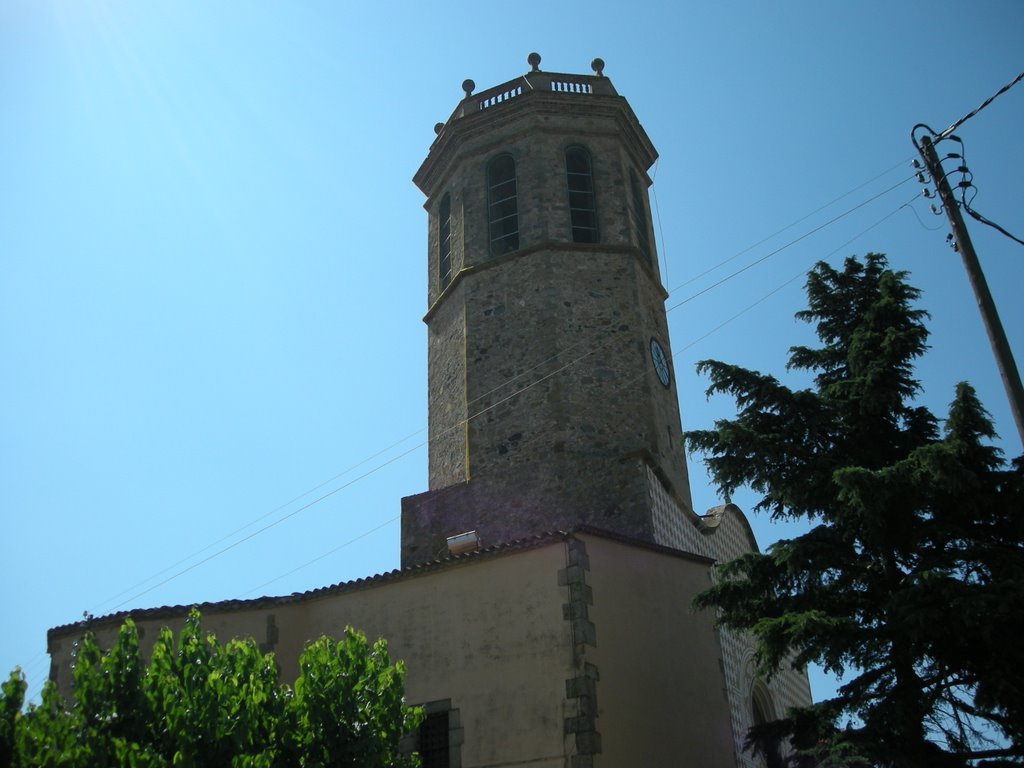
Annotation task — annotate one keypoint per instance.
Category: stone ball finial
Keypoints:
(438, 127)
(534, 61)
(598, 66)
(468, 86)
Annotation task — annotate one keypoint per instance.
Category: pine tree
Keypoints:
(910, 581)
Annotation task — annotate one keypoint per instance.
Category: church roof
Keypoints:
(221, 606)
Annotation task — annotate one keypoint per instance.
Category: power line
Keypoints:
(936, 228)
(978, 217)
(588, 340)
(227, 536)
(489, 407)
(793, 223)
(795, 277)
(967, 180)
(804, 236)
(277, 522)
(657, 211)
(33, 670)
(961, 240)
(627, 382)
(957, 123)
(967, 189)
(328, 553)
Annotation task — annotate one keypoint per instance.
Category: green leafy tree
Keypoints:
(352, 688)
(199, 704)
(910, 581)
(12, 697)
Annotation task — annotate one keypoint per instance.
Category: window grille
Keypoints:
(434, 752)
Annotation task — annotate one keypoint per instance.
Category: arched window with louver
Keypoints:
(582, 206)
(638, 214)
(444, 241)
(502, 205)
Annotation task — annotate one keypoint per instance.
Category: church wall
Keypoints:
(574, 650)
(723, 536)
(486, 632)
(661, 698)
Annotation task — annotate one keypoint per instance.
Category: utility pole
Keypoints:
(993, 327)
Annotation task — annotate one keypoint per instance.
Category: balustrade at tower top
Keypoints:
(533, 82)
(533, 85)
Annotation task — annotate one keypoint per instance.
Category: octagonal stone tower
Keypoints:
(552, 398)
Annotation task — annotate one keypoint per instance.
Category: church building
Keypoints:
(542, 606)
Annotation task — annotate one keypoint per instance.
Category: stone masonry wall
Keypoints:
(446, 371)
(546, 351)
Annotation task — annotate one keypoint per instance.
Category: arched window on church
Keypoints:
(638, 214)
(582, 209)
(444, 241)
(502, 205)
(762, 712)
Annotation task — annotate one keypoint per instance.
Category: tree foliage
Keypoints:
(198, 703)
(910, 581)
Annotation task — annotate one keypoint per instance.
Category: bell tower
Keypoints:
(552, 395)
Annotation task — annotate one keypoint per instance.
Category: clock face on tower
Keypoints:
(660, 363)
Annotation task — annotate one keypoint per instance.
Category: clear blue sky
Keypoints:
(213, 260)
